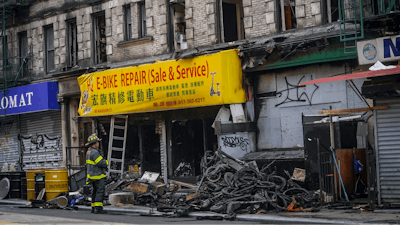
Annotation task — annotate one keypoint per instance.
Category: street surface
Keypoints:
(15, 215)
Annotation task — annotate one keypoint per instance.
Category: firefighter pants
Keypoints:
(98, 192)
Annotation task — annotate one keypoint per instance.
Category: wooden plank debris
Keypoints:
(347, 111)
(183, 184)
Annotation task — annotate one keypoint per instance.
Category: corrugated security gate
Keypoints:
(41, 142)
(387, 142)
(9, 146)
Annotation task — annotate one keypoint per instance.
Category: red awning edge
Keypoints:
(354, 76)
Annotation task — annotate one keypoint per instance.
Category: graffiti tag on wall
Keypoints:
(236, 141)
(40, 143)
(301, 95)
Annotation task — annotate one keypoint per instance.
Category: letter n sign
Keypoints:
(388, 44)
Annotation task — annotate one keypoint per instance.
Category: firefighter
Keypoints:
(96, 168)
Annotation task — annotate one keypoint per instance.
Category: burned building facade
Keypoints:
(280, 44)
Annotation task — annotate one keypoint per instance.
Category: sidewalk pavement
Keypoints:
(324, 216)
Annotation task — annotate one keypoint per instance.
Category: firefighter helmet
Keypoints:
(92, 139)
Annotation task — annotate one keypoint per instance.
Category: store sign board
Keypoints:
(201, 81)
(29, 98)
(380, 49)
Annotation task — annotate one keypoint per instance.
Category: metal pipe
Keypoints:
(321, 199)
(4, 36)
(166, 155)
(367, 157)
(332, 138)
(378, 180)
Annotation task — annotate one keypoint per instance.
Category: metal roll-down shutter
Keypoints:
(9, 148)
(41, 142)
(387, 138)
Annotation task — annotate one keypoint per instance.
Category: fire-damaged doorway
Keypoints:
(142, 148)
(150, 145)
(189, 140)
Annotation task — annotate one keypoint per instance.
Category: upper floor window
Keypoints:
(142, 19)
(288, 14)
(72, 47)
(23, 54)
(128, 22)
(232, 20)
(100, 41)
(333, 11)
(49, 40)
(5, 47)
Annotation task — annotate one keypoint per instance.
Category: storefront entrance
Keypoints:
(142, 149)
(189, 140)
(150, 141)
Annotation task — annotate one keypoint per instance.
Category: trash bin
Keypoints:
(16, 185)
(30, 183)
(56, 182)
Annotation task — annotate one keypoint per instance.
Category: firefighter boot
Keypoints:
(92, 211)
(99, 210)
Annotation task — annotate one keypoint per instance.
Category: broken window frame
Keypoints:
(98, 44)
(23, 52)
(128, 22)
(281, 5)
(72, 41)
(239, 19)
(142, 20)
(50, 50)
(333, 11)
(179, 26)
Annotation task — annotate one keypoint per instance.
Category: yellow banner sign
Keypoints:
(201, 81)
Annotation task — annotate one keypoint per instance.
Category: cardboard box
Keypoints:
(139, 188)
(158, 187)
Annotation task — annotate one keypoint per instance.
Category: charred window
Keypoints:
(49, 44)
(334, 11)
(128, 22)
(100, 52)
(288, 14)
(72, 44)
(23, 54)
(232, 14)
(180, 26)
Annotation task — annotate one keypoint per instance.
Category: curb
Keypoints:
(13, 202)
(243, 217)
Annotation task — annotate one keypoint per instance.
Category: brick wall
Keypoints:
(200, 17)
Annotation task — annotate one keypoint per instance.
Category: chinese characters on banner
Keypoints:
(201, 81)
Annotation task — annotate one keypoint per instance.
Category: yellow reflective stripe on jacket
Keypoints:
(98, 204)
(107, 162)
(92, 204)
(98, 177)
(98, 159)
(88, 161)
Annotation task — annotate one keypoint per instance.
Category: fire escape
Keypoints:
(357, 16)
(12, 77)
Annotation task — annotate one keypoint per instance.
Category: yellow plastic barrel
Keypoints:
(56, 182)
(30, 182)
